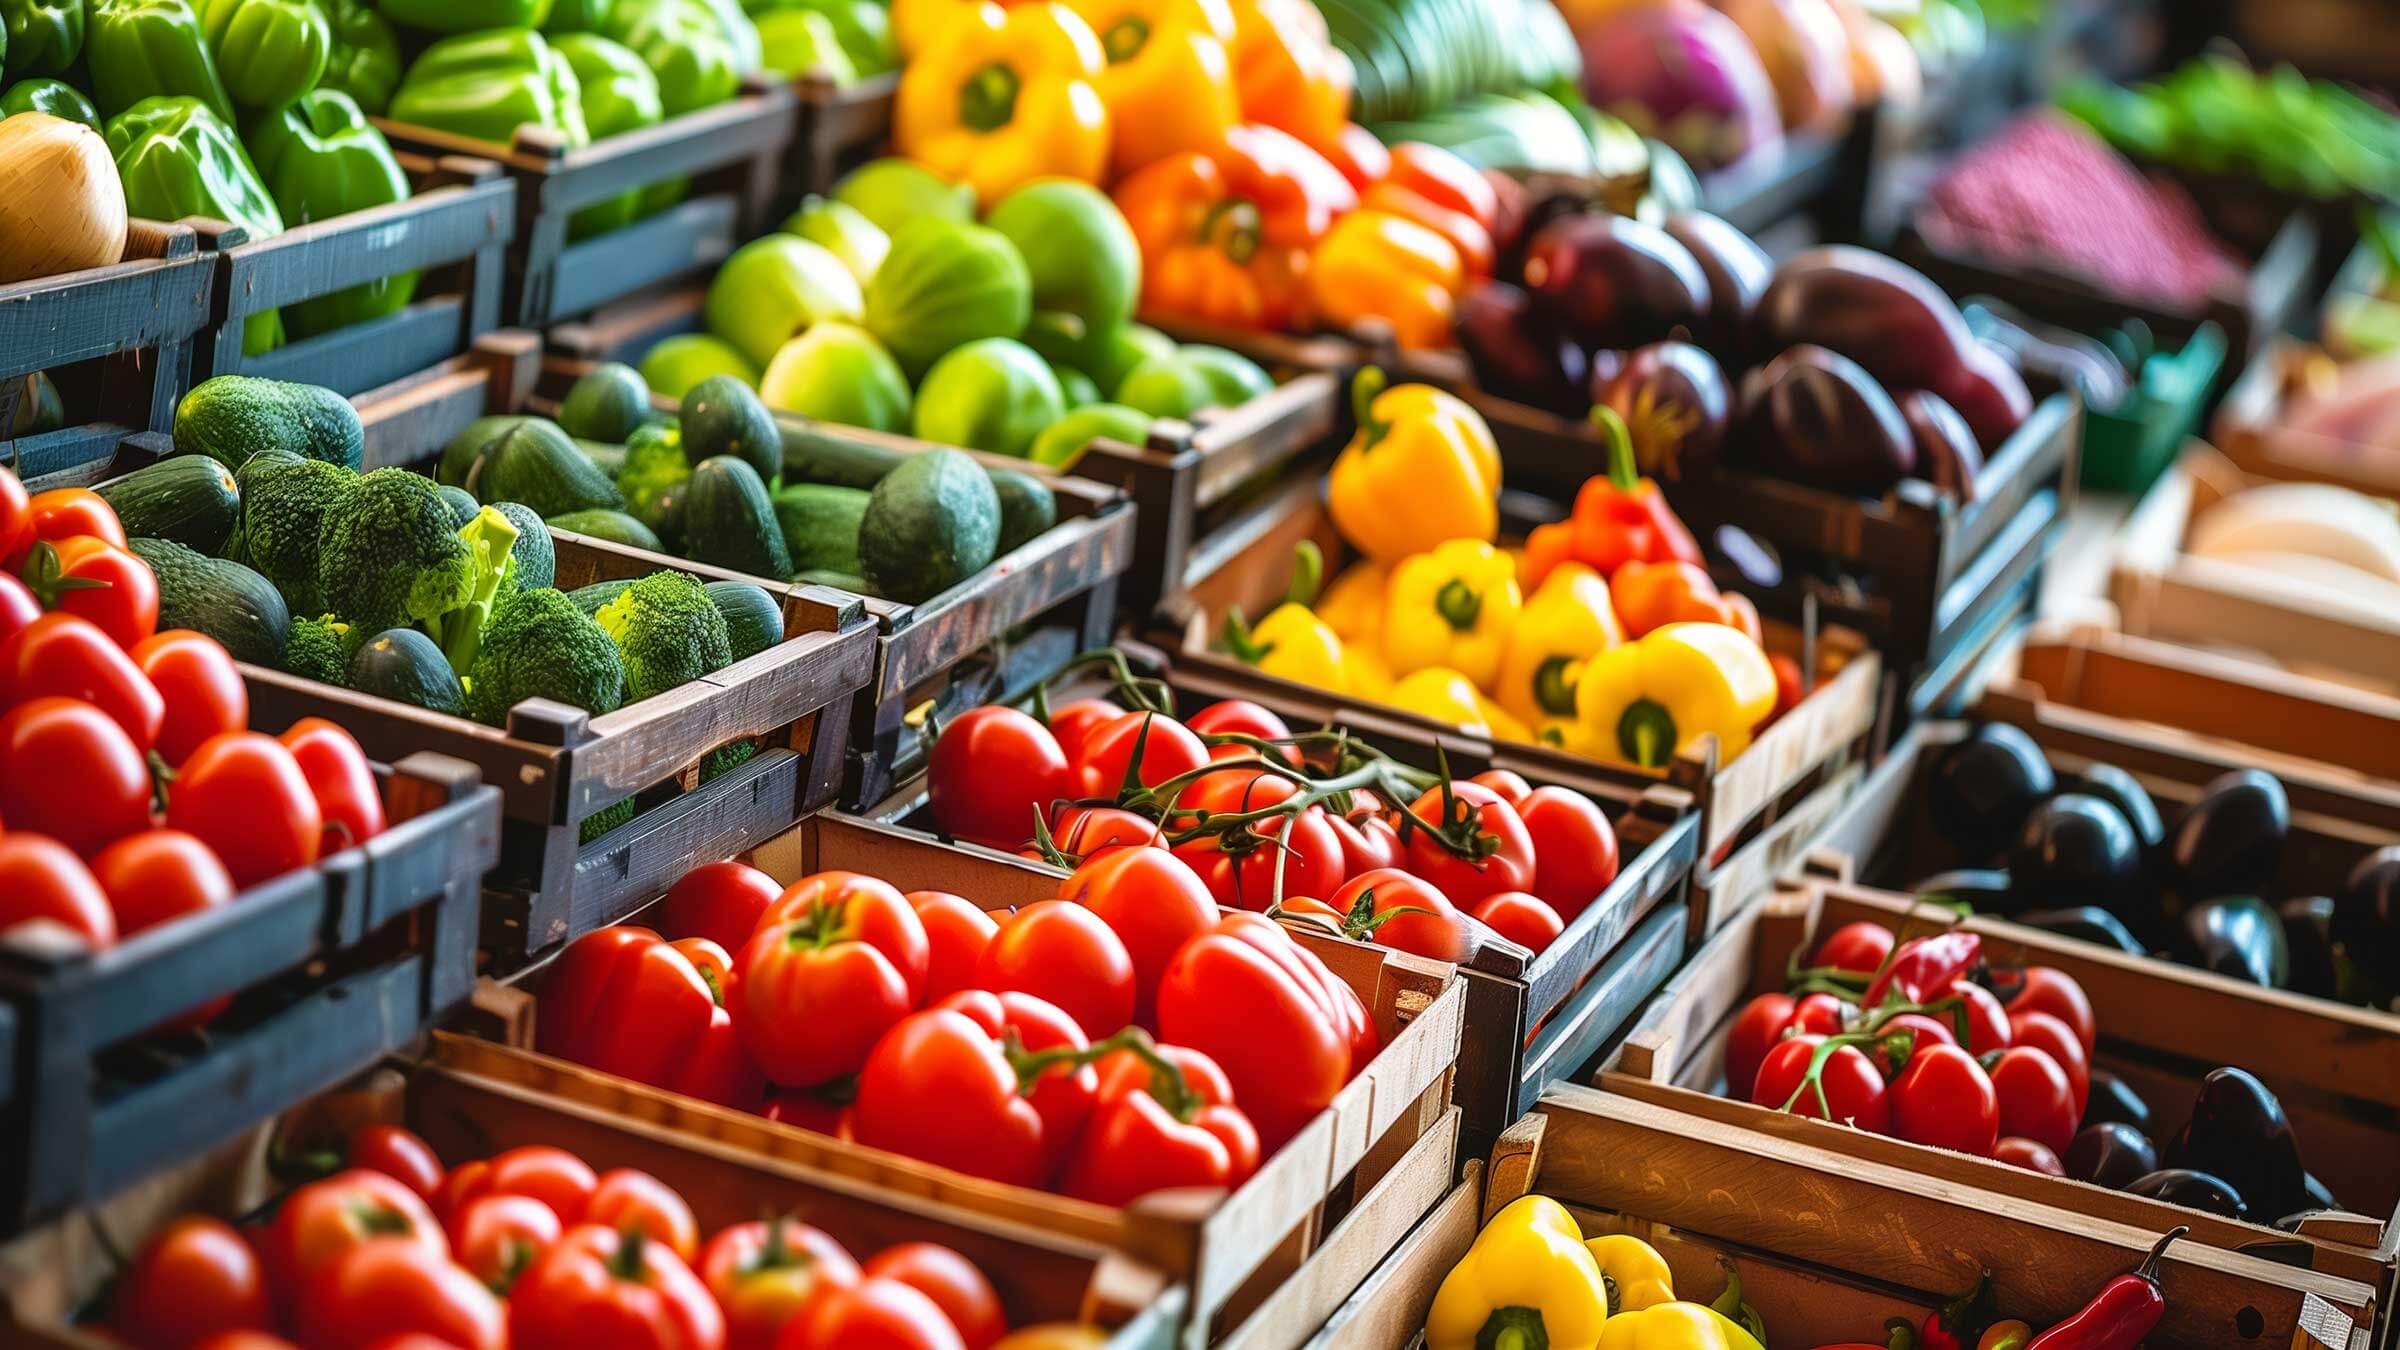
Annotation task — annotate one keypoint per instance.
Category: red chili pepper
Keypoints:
(1921, 968)
(2121, 1314)
(1619, 517)
(1955, 1324)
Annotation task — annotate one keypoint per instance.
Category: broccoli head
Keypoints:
(539, 645)
(285, 501)
(668, 631)
(537, 557)
(318, 649)
(390, 557)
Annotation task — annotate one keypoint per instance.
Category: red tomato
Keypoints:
(553, 1176)
(1169, 750)
(391, 1285)
(2036, 1101)
(1152, 901)
(628, 1198)
(836, 961)
(1285, 1031)
(1821, 1014)
(157, 876)
(871, 1315)
(1507, 862)
(1085, 831)
(18, 607)
(1755, 1031)
(1075, 720)
(940, 1087)
(1368, 842)
(1067, 955)
(195, 1279)
(595, 1289)
(1574, 848)
(2028, 1154)
(63, 513)
(66, 656)
(956, 932)
(952, 1282)
(1987, 1021)
(991, 771)
(2046, 989)
(720, 901)
(203, 693)
(2032, 1026)
(1859, 948)
(16, 518)
(124, 603)
(338, 777)
(1852, 1085)
(1510, 784)
(763, 1275)
(324, 1219)
(1241, 868)
(1523, 919)
(1944, 1099)
(1434, 929)
(1922, 1031)
(68, 772)
(244, 795)
(1241, 717)
(497, 1236)
(42, 880)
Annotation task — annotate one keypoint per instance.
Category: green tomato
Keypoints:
(776, 287)
(1076, 244)
(674, 366)
(1077, 386)
(893, 192)
(994, 395)
(1066, 439)
(1168, 386)
(1106, 354)
(840, 227)
(838, 372)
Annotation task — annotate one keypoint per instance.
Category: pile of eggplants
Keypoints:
(2088, 855)
(2236, 1154)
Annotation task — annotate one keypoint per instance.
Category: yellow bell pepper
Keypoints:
(1422, 469)
(1292, 643)
(1636, 1275)
(1442, 695)
(1169, 80)
(1376, 265)
(1364, 673)
(1675, 1326)
(999, 97)
(1527, 1281)
(1451, 606)
(915, 22)
(1642, 702)
(1563, 623)
(1353, 605)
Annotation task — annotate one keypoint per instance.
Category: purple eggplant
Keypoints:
(1882, 314)
(1519, 353)
(1675, 403)
(1615, 281)
(1819, 418)
(1946, 453)
(1738, 271)
(1988, 392)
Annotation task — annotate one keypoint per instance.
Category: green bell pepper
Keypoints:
(141, 49)
(465, 16)
(44, 36)
(178, 158)
(366, 61)
(320, 158)
(55, 97)
(862, 27)
(579, 16)
(269, 52)
(799, 41)
(685, 45)
(486, 85)
(619, 95)
(740, 32)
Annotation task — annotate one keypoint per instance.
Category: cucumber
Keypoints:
(467, 448)
(820, 525)
(191, 499)
(614, 526)
(722, 416)
(535, 463)
(814, 455)
(729, 521)
(1026, 507)
(931, 523)
(753, 621)
(606, 405)
(225, 600)
(405, 665)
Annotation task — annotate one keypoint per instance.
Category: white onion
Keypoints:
(62, 207)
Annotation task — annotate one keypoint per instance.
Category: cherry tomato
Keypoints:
(553, 1176)
(202, 691)
(325, 1218)
(2036, 1101)
(1067, 955)
(16, 518)
(1853, 1086)
(956, 932)
(41, 879)
(1507, 861)
(952, 1282)
(1085, 831)
(991, 770)
(1368, 842)
(1435, 929)
(69, 657)
(1821, 1013)
(596, 1288)
(398, 1153)
(2054, 991)
(836, 961)
(195, 1279)
(340, 779)
(1860, 948)
(1574, 848)
(69, 772)
(124, 603)
(1523, 919)
(720, 901)
(1922, 1031)
(764, 1273)
(1152, 901)
(497, 1236)
(63, 513)
(2032, 1026)
(244, 795)
(1169, 750)
(1943, 1098)
(1510, 784)
(18, 607)
(1756, 1030)
(2028, 1154)
(627, 1199)
(873, 1314)
(157, 876)
(390, 1286)
(1241, 868)
(1987, 1021)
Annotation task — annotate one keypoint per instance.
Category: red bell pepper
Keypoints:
(994, 1085)
(1287, 1033)
(1921, 969)
(1165, 1118)
(625, 1001)
(1619, 517)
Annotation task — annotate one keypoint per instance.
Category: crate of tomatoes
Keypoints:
(199, 923)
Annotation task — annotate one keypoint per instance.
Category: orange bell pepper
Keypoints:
(1619, 517)
(1288, 71)
(1650, 595)
(1169, 79)
(1443, 193)
(1378, 266)
(1361, 158)
(1226, 234)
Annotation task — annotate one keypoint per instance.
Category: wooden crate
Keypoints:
(336, 965)
(839, 129)
(2163, 593)
(1392, 1131)
(733, 153)
(117, 340)
(52, 1276)
(2249, 432)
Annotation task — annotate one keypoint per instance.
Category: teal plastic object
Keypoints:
(2126, 448)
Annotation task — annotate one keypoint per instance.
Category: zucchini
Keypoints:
(191, 499)
(729, 521)
(405, 665)
(932, 523)
(820, 525)
(814, 455)
(225, 600)
(466, 449)
(614, 526)
(1026, 507)
(536, 464)
(752, 619)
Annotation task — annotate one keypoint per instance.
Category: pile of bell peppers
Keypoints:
(1532, 1278)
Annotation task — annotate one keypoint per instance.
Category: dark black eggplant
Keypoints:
(2124, 792)
(1981, 890)
(2308, 938)
(2078, 850)
(1983, 786)
(2191, 1189)
(2230, 840)
(1675, 403)
(2112, 1102)
(2366, 922)
(2112, 1154)
(2237, 936)
(1738, 271)
(2085, 923)
(2238, 1131)
(1946, 452)
(1518, 353)
(1817, 417)
(1613, 280)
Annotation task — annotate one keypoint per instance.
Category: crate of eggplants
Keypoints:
(2089, 856)
(2236, 1154)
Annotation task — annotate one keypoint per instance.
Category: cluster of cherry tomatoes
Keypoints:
(531, 1248)
(1901, 1038)
(1353, 859)
(131, 790)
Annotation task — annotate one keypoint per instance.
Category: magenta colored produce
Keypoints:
(1613, 280)
(1988, 392)
(1673, 398)
(1738, 271)
(1519, 353)
(1817, 417)
(1880, 313)
(1946, 453)
(1685, 74)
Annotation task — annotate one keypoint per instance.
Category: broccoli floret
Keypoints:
(652, 481)
(389, 556)
(285, 501)
(726, 758)
(537, 557)
(539, 645)
(491, 542)
(603, 820)
(668, 631)
(318, 649)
